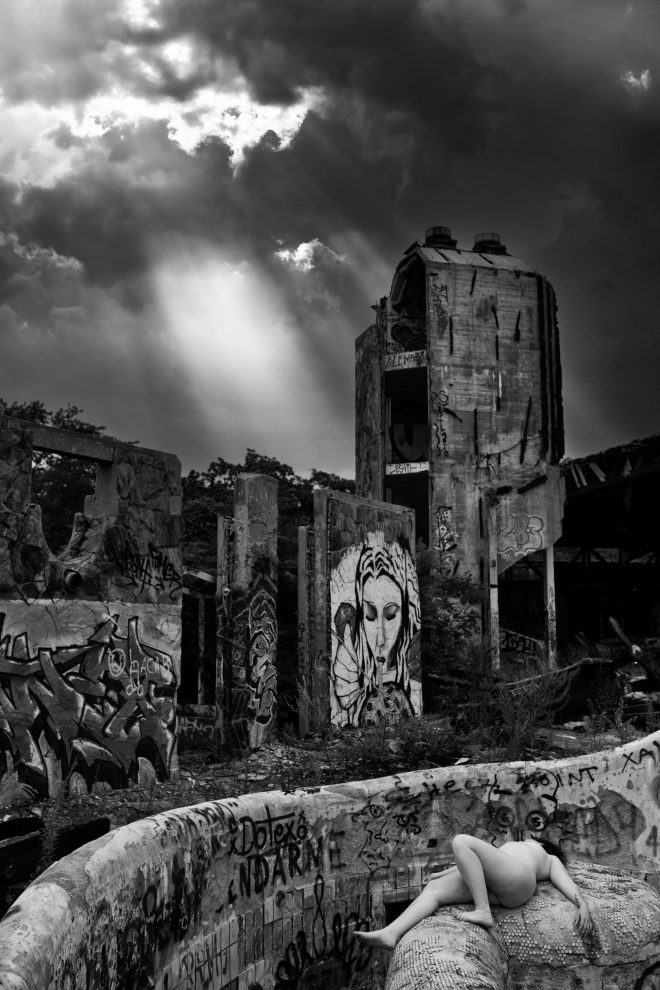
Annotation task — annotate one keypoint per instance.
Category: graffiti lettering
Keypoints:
(521, 647)
(280, 864)
(410, 467)
(577, 778)
(530, 806)
(90, 709)
(439, 291)
(273, 849)
(444, 528)
(439, 403)
(405, 359)
(151, 570)
(405, 806)
(438, 300)
(520, 535)
(385, 824)
(197, 730)
(635, 760)
(138, 939)
(265, 833)
(441, 408)
(323, 958)
(375, 852)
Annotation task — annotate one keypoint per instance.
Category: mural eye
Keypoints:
(536, 821)
(504, 817)
(369, 612)
(391, 612)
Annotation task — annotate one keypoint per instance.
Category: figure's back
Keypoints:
(532, 854)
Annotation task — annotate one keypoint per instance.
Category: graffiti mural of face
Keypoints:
(382, 604)
(375, 605)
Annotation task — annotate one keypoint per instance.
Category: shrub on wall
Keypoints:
(450, 623)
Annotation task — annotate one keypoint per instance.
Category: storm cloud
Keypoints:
(202, 198)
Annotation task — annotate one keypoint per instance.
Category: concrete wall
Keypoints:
(90, 637)
(267, 890)
(364, 612)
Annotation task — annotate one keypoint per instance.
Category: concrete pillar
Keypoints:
(252, 691)
(370, 421)
(490, 569)
(550, 607)
(223, 626)
(304, 670)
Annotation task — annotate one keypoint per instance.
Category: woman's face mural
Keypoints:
(375, 612)
(382, 607)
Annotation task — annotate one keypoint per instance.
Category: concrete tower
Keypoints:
(459, 412)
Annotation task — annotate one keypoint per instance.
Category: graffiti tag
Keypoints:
(151, 570)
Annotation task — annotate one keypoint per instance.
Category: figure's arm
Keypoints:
(562, 881)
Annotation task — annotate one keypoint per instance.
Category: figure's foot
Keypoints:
(478, 917)
(380, 939)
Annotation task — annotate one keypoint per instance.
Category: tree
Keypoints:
(207, 494)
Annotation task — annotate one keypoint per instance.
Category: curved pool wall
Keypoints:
(266, 890)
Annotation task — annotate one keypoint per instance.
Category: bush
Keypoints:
(450, 625)
(499, 715)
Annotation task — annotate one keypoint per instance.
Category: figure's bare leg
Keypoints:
(487, 870)
(472, 871)
(448, 888)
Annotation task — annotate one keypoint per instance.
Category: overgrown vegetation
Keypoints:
(209, 493)
(450, 623)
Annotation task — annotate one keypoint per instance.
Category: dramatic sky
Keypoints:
(200, 200)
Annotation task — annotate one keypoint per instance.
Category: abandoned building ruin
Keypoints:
(459, 416)
(90, 639)
(459, 420)
(111, 655)
(459, 412)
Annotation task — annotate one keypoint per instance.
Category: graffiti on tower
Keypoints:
(520, 535)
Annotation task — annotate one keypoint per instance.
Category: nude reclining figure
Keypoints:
(505, 875)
